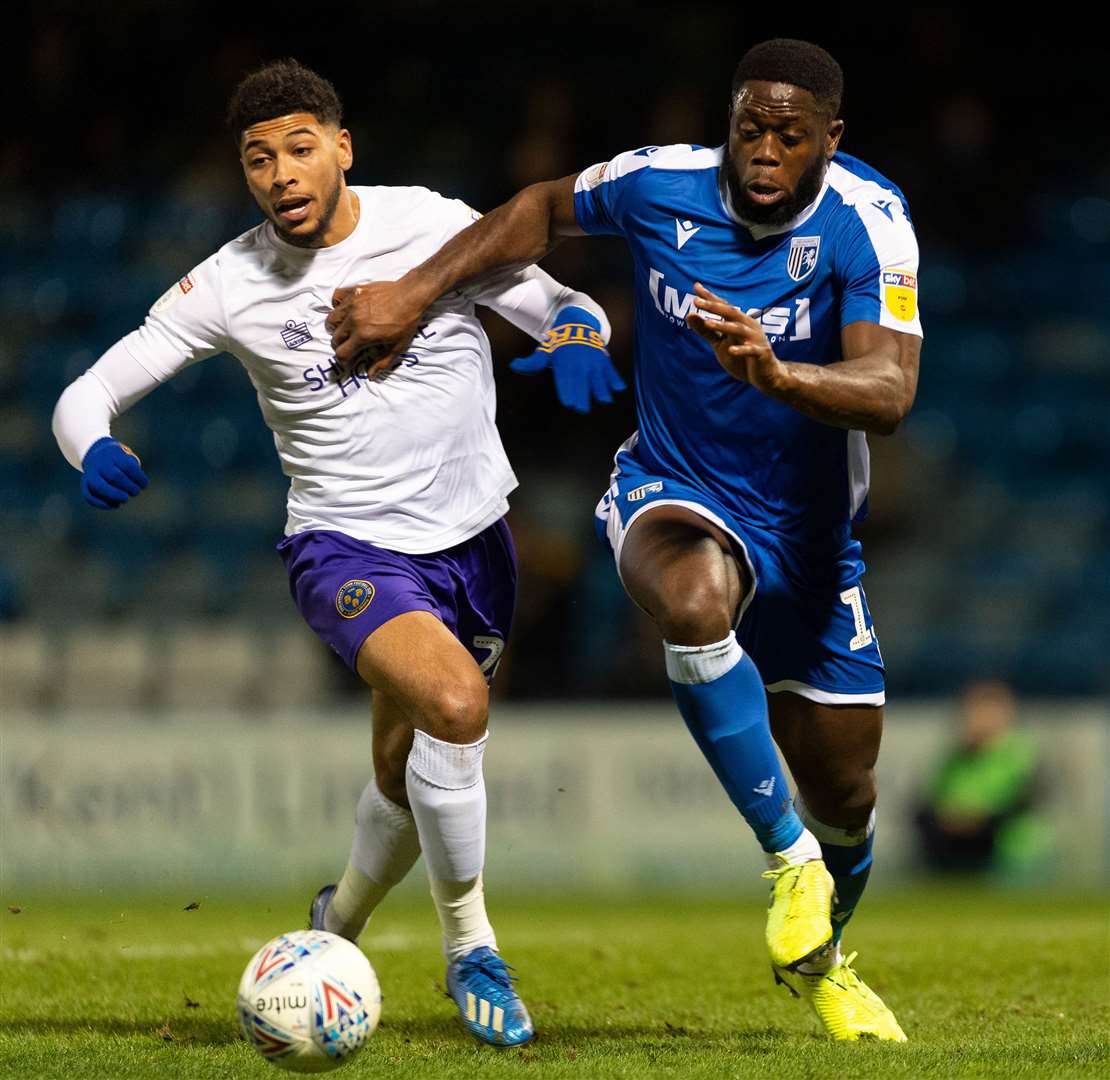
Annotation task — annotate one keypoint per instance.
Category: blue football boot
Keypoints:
(319, 906)
(482, 988)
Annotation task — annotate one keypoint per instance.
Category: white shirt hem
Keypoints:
(489, 511)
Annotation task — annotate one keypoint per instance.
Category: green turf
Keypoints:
(985, 985)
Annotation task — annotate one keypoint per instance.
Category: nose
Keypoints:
(283, 174)
(765, 152)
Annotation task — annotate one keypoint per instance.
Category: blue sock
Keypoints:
(847, 856)
(721, 697)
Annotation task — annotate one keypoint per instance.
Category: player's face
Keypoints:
(779, 145)
(294, 167)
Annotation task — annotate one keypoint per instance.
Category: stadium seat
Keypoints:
(297, 670)
(212, 664)
(101, 668)
(26, 668)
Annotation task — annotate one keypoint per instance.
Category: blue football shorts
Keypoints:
(804, 622)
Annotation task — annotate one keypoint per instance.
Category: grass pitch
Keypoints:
(985, 985)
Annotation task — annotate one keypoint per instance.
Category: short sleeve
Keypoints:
(877, 263)
(604, 192)
(431, 219)
(185, 324)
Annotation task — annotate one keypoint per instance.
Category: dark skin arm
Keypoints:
(871, 389)
(516, 234)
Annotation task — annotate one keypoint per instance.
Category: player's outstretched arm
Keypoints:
(111, 473)
(385, 315)
(871, 389)
(184, 325)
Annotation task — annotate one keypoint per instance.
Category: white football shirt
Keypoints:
(412, 461)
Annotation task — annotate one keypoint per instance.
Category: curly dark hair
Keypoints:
(280, 88)
(799, 63)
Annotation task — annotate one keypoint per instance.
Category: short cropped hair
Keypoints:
(799, 63)
(278, 89)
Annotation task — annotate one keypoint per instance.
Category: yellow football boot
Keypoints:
(846, 1006)
(798, 920)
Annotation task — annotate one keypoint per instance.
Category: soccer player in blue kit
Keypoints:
(775, 284)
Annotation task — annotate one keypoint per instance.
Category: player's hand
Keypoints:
(373, 324)
(111, 474)
(575, 351)
(740, 345)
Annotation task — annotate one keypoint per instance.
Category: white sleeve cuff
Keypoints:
(531, 299)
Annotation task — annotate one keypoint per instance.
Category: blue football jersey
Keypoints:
(850, 256)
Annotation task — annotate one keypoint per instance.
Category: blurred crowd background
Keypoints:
(988, 544)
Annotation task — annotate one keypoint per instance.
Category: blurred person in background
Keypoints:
(980, 811)
(396, 546)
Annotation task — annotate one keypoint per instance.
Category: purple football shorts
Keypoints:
(346, 588)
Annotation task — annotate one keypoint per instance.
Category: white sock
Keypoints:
(447, 794)
(804, 849)
(383, 850)
(461, 907)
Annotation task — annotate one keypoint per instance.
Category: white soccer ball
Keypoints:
(308, 1000)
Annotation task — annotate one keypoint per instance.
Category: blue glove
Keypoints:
(575, 352)
(112, 474)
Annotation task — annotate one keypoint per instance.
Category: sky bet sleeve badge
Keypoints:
(900, 293)
(353, 598)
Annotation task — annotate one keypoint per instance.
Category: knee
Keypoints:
(857, 791)
(698, 614)
(457, 711)
(843, 798)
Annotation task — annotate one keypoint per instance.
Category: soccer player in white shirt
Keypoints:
(396, 545)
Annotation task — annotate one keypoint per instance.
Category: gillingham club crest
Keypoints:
(354, 598)
(802, 257)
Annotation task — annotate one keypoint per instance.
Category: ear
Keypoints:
(832, 137)
(344, 152)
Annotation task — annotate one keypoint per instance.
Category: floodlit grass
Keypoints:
(1005, 985)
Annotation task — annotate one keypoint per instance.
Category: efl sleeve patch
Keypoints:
(876, 260)
(174, 293)
(604, 192)
(899, 292)
(592, 176)
(185, 324)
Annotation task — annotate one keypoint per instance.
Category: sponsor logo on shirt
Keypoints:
(354, 597)
(802, 257)
(295, 334)
(900, 293)
(779, 323)
(349, 381)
